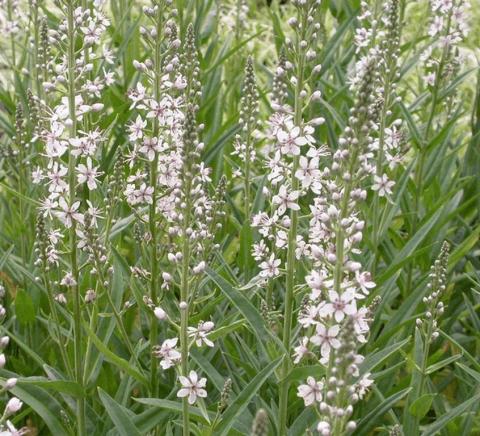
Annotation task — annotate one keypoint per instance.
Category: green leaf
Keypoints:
(421, 406)
(237, 407)
(302, 372)
(175, 406)
(245, 258)
(24, 308)
(369, 420)
(372, 360)
(113, 358)
(246, 308)
(439, 365)
(63, 386)
(443, 420)
(118, 415)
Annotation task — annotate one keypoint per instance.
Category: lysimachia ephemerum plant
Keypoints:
(292, 174)
(426, 332)
(379, 35)
(67, 176)
(168, 189)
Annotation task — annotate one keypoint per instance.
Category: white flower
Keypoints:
(316, 281)
(37, 176)
(364, 280)
(290, 141)
(340, 305)
(160, 314)
(192, 387)
(137, 95)
(326, 338)
(68, 280)
(363, 385)
(68, 213)
(360, 323)
(430, 78)
(436, 26)
(270, 267)
(47, 205)
(200, 333)
(301, 350)
(308, 171)
(144, 194)
(383, 185)
(55, 174)
(150, 147)
(311, 392)
(13, 406)
(308, 316)
(168, 353)
(136, 129)
(324, 428)
(88, 174)
(285, 200)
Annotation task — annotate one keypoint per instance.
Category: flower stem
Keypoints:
(184, 295)
(77, 315)
(290, 275)
(152, 214)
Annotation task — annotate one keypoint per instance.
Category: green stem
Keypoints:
(77, 315)
(291, 259)
(422, 153)
(184, 297)
(152, 219)
(56, 320)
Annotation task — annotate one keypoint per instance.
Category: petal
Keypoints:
(192, 397)
(184, 380)
(183, 392)
(333, 331)
(193, 377)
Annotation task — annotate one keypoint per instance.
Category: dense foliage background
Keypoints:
(85, 349)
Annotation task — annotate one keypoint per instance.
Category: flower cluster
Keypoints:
(333, 319)
(448, 27)
(379, 38)
(293, 156)
(79, 87)
(436, 288)
(167, 187)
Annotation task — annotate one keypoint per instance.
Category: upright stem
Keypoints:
(77, 315)
(247, 177)
(291, 247)
(184, 297)
(36, 44)
(379, 172)
(12, 36)
(422, 152)
(153, 212)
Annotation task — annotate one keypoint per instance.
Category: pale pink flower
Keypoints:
(326, 338)
(192, 387)
(311, 392)
(88, 174)
(168, 353)
(290, 141)
(383, 185)
(269, 268)
(340, 305)
(285, 200)
(68, 213)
